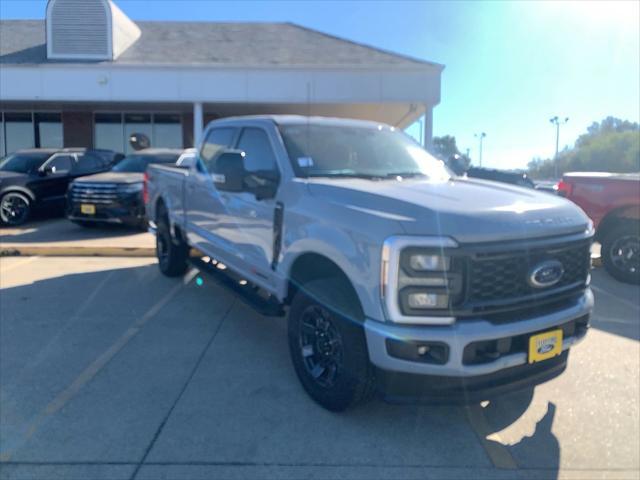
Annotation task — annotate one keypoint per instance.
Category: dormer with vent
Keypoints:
(88, 30)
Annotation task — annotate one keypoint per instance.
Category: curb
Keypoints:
(74, 251)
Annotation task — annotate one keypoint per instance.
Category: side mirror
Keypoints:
(48, 170)
(229, 173)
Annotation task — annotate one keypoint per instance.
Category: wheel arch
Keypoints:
(17, 189)
(310, 266)
(616, 217)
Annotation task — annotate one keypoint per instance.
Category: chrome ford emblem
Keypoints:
(546, 274)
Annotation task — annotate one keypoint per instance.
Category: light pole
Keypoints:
(480, 136)
(557, 122)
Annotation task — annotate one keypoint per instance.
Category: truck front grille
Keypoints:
(94, 193)
(500, 279)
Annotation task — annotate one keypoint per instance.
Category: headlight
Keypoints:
(421, 279)
(421, 262)
(130, 188)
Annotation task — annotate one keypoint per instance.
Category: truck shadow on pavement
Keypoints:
(204, 380)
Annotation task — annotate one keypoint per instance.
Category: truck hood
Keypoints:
(112, 177)
(468, 210)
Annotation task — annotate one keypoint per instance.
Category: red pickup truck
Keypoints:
(612, 201)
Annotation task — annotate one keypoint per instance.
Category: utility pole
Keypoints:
(480, 136)
(557, 122)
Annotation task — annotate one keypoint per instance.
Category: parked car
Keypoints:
(115, 196)
(37, 179)
(515, 178)
(397, 276)
(612, 201)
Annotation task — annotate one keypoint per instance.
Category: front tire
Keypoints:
(621, 252)
(172, 255)
(328, 347)
(15, 208)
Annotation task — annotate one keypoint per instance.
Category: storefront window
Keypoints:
(112, 130)
(167, 131)
(49, 130)
(108, 132)
(18, 128)
(137, 123)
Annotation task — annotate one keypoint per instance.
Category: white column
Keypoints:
(427, 127)
(197, 123)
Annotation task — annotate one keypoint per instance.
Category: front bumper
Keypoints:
(127, 210)
(459, 335)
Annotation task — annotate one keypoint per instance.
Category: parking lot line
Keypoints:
(491, 442)
(182, 391)
(98, 364)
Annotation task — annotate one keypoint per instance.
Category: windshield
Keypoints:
(23, 162)
(327, 151)
(139, 163)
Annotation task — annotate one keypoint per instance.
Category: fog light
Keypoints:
(418, 351)
(420, 300)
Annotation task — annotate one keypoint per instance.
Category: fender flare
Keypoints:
(18, 189)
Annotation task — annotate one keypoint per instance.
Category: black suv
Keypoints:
(37, 179)
(116, 196)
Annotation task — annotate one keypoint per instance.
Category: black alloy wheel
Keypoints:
(14, 208)
(320, 345)
(621, 253)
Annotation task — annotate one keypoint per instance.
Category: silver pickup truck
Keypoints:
(396, 276)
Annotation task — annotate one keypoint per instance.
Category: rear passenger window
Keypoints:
(254, 142)
(217, 139)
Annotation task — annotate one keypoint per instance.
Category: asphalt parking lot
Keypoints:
(110, 371)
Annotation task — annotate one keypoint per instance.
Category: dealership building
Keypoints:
(88, 76)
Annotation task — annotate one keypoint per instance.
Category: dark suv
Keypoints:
(116, 196)
(37, 179)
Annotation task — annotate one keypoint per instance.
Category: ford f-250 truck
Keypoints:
(397, 276)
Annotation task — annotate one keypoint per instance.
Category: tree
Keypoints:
(445, 149)
(613, 145)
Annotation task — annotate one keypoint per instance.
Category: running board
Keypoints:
(263, 303)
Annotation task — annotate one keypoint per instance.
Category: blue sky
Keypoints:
(510, 66)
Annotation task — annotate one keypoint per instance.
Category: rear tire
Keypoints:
(328, 347)
(172, 254)
(15, 208)
(621, 252)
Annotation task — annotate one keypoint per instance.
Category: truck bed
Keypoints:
(169, 181)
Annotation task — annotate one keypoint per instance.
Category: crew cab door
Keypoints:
(205, 216)
(249, 219)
